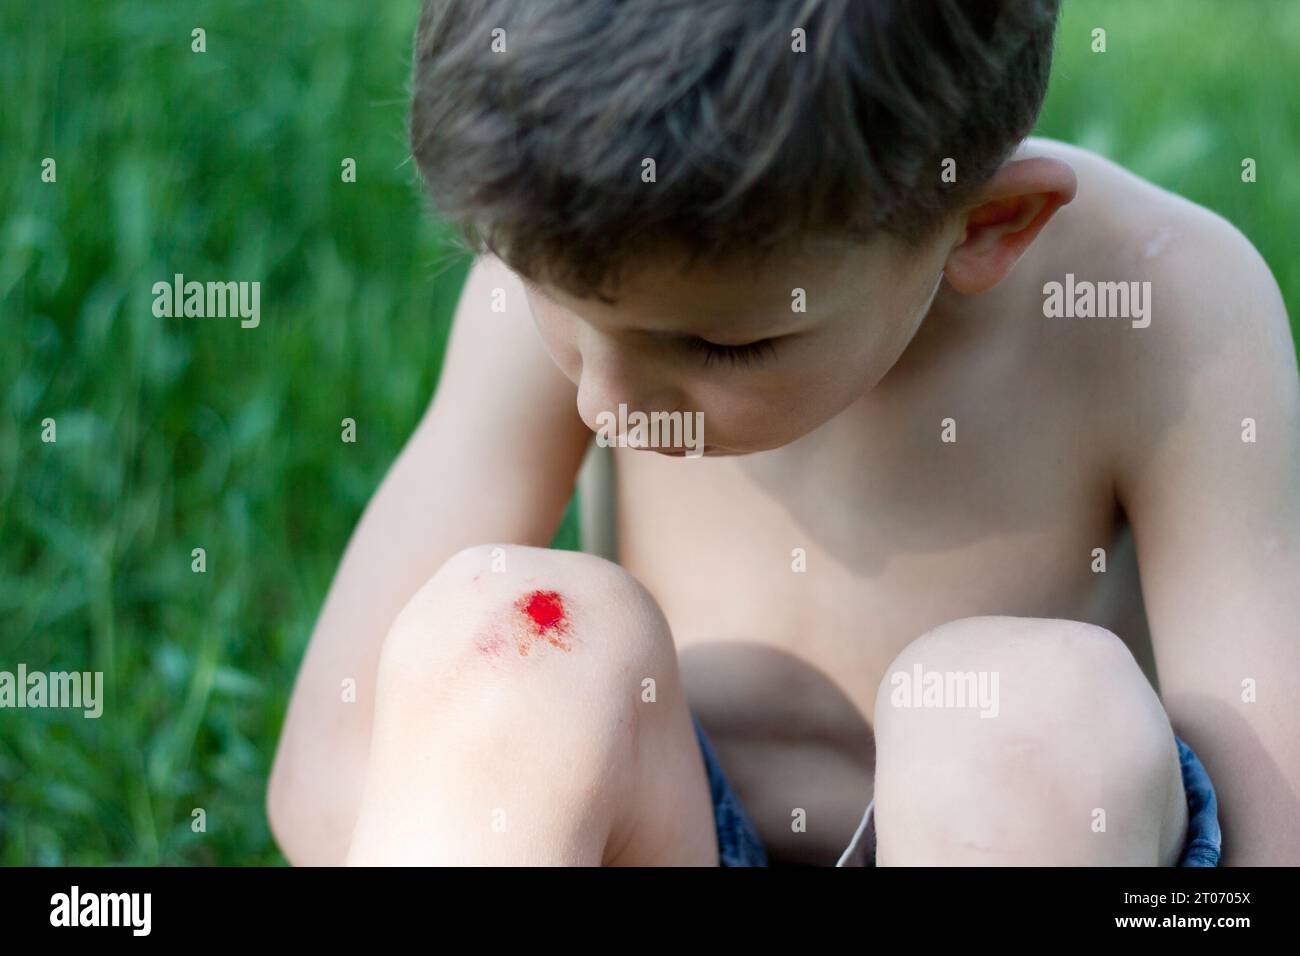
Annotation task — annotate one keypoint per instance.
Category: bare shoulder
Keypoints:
(1167, 397)
(1210, 298)
(1203, 270)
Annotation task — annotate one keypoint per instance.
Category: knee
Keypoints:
(1030, 721)
(510, 620)
(995, 673)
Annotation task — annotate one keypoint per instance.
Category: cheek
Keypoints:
(840, 381)
(835, 372)
(869, 345)
(774, 407)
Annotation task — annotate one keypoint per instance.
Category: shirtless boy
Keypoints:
(900, 590)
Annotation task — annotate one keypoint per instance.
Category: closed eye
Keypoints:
(751, 353)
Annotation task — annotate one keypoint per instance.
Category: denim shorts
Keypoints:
(739, 844)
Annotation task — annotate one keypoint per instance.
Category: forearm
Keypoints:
(1254, 761)
(1229, 668)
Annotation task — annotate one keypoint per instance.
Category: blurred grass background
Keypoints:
(174, 435)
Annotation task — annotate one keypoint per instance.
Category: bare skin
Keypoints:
(1072, 435)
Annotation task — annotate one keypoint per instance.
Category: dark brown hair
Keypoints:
(536, 153)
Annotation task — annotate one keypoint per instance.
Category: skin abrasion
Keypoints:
(537, 619)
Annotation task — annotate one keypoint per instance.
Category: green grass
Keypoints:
(176, 435)
(1184, 92)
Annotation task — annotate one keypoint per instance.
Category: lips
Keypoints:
(677, 452)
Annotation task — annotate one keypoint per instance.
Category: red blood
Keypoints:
(545, 619)
(546, 608)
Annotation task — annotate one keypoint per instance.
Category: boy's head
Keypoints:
(677, 179)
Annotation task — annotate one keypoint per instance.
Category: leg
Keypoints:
(515, 722)
(1076, 764)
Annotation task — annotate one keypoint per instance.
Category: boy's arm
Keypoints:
(493, 459)
(1217, 522)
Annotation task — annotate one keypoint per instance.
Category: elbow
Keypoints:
(311, 825)
(280, 801)
(293, 816)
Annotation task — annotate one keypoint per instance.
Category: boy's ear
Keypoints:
(1009, 213)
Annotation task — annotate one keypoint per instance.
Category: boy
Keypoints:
(956, 388)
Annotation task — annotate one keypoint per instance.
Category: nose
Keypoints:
(609, 379)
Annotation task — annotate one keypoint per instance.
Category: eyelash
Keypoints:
(754, 353)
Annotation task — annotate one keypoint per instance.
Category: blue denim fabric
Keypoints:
(739, 844)
(1204, 839)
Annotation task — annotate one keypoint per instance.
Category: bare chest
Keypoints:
(790, 588)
